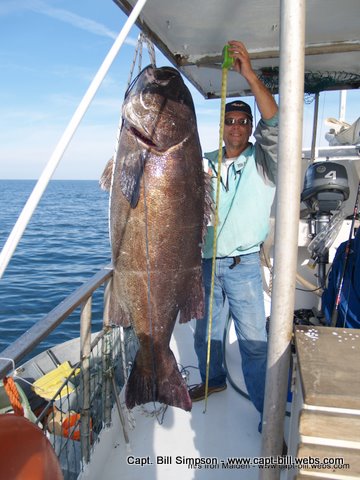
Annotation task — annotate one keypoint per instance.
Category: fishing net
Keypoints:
(314, 82)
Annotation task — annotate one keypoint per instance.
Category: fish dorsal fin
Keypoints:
(105, 179)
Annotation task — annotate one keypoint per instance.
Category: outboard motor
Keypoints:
(326, 187)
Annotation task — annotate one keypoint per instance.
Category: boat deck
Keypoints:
(228, 428)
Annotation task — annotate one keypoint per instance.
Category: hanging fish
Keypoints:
(158, 215)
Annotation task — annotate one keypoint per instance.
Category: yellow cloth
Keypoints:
(47, 386)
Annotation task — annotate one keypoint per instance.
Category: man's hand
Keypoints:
(242, 63)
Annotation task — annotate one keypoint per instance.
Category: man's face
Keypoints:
(236, 136)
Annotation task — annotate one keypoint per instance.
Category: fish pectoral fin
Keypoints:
(194, 307)
(105, 179)
(118, 314)
(130, 176)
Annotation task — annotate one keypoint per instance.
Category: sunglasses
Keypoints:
(239, 121)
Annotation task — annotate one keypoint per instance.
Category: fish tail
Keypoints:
(161, 385)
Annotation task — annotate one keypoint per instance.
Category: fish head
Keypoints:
(158, 109)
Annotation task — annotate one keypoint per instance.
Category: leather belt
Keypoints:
(236, 261)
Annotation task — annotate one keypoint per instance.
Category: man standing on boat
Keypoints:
(248, 175)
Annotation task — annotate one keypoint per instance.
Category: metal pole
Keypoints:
(107, 346)
(315, 124)
(292, 32)
(85, 352)
(36, 194)
(342, 106)
(23, 345)
(106, 350)
(107, 291)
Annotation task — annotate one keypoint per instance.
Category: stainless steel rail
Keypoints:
(291, 94)
(41, 329)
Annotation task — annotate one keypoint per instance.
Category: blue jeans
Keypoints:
(242, 286)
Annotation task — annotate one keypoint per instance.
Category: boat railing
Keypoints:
(26, 343)
(334, 153)
(81, 404)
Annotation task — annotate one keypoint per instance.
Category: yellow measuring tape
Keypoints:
(227, 63)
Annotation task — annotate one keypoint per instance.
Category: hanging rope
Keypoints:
(14, 396)
(150, 47)
(227, 63)
(138, 53)
(138, 59)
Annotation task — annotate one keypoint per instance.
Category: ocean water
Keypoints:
(65, 243)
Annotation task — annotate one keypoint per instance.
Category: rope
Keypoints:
(150, 47)
(133, 63)
(216, 221)
(138, 52)
(13, 394)
(138, 56)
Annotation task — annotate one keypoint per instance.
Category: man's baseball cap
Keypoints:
(239, 106)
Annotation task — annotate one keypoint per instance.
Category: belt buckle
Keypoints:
(236, 261)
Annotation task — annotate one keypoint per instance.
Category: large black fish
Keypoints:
(157, 218)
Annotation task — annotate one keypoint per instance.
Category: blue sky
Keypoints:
(49, 52)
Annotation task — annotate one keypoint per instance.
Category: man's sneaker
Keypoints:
(197, 393)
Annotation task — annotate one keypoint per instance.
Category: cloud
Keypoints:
(77, 21)
(73, 19)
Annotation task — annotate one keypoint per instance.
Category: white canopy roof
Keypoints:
(192, 34)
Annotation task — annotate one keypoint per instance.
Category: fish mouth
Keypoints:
(143, 138)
